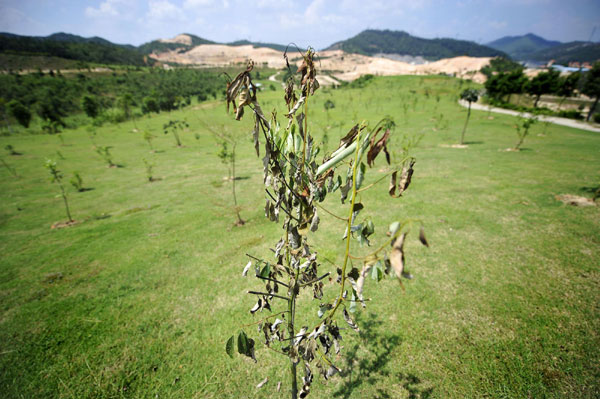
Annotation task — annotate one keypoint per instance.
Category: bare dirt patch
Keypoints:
(344, 66)
(61, 225)
(575, 200)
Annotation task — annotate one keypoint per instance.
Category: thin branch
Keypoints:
(331, 213)
(275, 350)
(266, 318)
(315, 280)
(273, 280)
(282, 207)
(388, 242)
(374, 183)
(267, 294)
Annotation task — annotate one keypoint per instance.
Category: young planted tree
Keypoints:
(56, 177)
(296, 183)
(104, 152)
(53, 127)
(523, 127)
(470, 96)
(175, 127)
(77, 182)
(149, 166)
(328, 105)
(227, 157)
(11, 150)
(149, 137)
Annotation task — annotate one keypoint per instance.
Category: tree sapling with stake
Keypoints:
(56, 177)
(149, 166)
(104, 152)
(149, 137)
(296, 183)
(470, 96)
(77, 182)
(174, 127)
(523, 126)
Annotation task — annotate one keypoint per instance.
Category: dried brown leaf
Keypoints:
(377, 147)
(397, 255)
(350, 322)
(349, 138)
(404, 182)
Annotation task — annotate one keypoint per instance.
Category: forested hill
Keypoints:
(522, 47)
(569, 52)
(370, 42)
(71, 47)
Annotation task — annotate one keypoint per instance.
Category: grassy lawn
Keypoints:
(138, 299)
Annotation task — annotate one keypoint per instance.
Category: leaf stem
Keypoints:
(273, 280)
(315, 280)
(267, 294)
(266, 318)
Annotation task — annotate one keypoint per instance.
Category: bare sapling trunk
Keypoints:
(64, 197)
(240, 221)
(462, 136)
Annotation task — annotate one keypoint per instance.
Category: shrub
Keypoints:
(20, 113)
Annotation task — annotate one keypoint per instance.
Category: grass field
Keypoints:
(138, 299)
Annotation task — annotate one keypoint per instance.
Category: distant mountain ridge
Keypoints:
(569, 52)
(73, 47)
(371, 42)
(522, 47)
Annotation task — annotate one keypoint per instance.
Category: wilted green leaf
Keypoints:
(229, 347)
(265, 271)
(242, 343)
(377, 271)
(360, 174)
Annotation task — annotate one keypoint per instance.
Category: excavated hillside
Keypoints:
(337, 63)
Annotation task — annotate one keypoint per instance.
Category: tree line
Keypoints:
(54, 96)
(505, 78)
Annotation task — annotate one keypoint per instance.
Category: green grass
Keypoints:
(504, 304)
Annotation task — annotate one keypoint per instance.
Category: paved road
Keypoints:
(543, 118)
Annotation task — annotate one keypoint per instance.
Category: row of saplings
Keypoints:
(57, 176)
(523, 126)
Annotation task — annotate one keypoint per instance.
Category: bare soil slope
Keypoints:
(341, 65)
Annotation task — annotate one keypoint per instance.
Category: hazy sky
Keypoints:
(318, 23)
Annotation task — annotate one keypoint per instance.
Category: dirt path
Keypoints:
(543, 118)
(273, 78)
